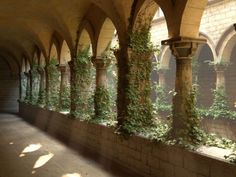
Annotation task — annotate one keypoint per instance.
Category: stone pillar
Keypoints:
(73, 87)
(122, 84)
(162, 77)
(64, 82)
(21, 77)
(101, 71)
(29, 85)
(183, 49)
(47, 85)
(101, 85)
(220, 76)
(42, 85)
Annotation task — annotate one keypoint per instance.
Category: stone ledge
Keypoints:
(135, 154)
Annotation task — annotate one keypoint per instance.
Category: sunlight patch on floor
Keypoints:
(32, 148)
(72, 175)
(42, 160)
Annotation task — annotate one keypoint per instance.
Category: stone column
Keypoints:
(42, 85)
(183, 49)
(21, 77)
(47, 85)
(162, 77)
(64, 82)
(220, 76)
(101, 82)
(101, 71)
(122, 84)
(73, 87)
(29, 85)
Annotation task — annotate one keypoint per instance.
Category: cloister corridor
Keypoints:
(117, 88)
(26, 151)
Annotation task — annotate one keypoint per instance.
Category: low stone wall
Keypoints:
(135, 153)
(222, 127)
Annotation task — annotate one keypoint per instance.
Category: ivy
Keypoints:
(102, 100)
(161, 103)
(41, 98)
(54, 84)
(65, 98)
(139, 109)
(193, 134)
(220, 107)
(35, 84)
(84, 75)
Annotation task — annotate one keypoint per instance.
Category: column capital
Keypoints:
(184, 47)
(61, 68)
(220, 67)
(162, 70)
(40, 70)
(101, 63)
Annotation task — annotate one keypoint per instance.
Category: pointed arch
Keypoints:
(226, 43)
(53, 52)
(84, 40)
(107, 32)
(65, 54)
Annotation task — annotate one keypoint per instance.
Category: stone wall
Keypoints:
(9, 89)
(217, 17)
(134, 153)
(222, 127)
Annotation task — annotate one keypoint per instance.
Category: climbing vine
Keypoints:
(54, 84)
(84, 76)
(139, 108)
(220, 107)
(161, 103)
(35, 84)
(65, 98)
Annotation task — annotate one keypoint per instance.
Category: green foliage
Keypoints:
(220, 107)
(54, 84)
(231, 158)
(24, 87)
(112, 76)
(140, 40)
(65, 98)
(195, 68)
(103, 105)
(139, 109)
(84, 76)
(35, 84)
(41, 98)
(158, 132)
(161, 103)
(193, 134)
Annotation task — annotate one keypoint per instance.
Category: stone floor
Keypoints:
(25, 151)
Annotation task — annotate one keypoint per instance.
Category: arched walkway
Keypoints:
(26, 151)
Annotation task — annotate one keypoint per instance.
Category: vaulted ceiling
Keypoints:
(27, 26)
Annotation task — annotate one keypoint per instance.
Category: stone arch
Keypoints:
(145, 13)
(210, 43)
(65, 54)
(84, 40)
(42, 60)
(205, 74)
(53, 52)
(226, 43)
(27, 64)
(23, 65)
(165, 57)
(35, 57)
(106, 34)
(191, 17)
(227, 53)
